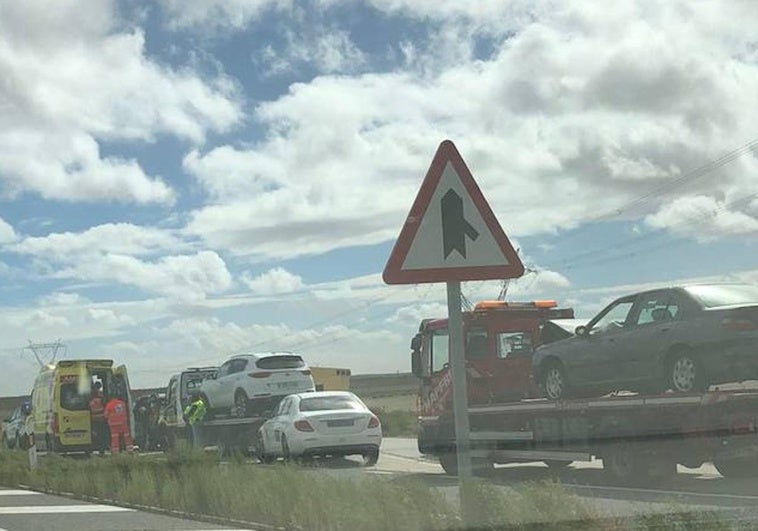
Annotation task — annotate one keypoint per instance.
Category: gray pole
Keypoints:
(460, 398)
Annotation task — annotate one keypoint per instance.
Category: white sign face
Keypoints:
(453, 232)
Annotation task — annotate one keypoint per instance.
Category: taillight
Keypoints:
(303, 425)
(743, 426)
(739, 324)
(259, 374)
(306, 372)
(374, 422)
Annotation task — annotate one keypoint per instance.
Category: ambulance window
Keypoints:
(439, 353)
(476, 344)
(514, 344)
(71, 399)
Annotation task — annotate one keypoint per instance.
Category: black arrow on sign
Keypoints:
(455, 228)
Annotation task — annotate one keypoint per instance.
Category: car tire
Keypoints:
(737, 468)
(285, 449)
(263, 457)
(554, 383)
(370, 458)
(241, 405)
(684, 373)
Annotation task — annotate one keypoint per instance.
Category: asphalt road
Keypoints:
(23, 510)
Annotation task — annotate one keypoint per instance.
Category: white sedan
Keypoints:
(327, 423)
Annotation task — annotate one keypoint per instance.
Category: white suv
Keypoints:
(249, 384)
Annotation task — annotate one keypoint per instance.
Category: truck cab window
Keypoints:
(477, 344)
(514, 344)
(439, 354)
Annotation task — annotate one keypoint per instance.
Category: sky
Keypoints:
(181, 180)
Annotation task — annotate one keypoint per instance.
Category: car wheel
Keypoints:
(285, 448)
(554, 381)
(263, 457)
(240, 406)
(685, 374)
(370, 458)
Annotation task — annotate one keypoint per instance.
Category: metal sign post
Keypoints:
(458, 368)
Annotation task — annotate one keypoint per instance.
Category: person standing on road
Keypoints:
(97, 418)
(118, 421)
(194, 415)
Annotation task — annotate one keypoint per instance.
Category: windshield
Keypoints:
(724, 295)
(328, 403)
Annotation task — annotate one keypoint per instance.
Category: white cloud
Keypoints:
(216, 14)
(412, 315)
(62, 298)
(576, 114)
(116, 238)
(703, 218)
(185, 278)
(274, 281)
(74, 77)
(328, 50)
(7, 234)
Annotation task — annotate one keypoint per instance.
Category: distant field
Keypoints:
(392, 403)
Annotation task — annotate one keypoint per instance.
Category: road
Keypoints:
(703, 487)
(23, 510)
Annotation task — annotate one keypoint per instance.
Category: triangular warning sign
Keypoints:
(451, 233)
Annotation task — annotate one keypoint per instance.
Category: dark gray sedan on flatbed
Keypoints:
(682, 338)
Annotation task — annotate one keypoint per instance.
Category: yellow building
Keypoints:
(331, 379)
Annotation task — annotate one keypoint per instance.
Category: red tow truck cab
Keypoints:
(499, 338)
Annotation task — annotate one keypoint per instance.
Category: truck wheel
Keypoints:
(449, 463)
(684, 373)
(554, 380)
(737, 468)
(241, 404)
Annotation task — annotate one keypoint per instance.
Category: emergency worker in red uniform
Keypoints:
(117, 416)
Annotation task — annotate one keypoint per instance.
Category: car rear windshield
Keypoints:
(72, 399)
(726, 295)
(329, 403)
(280, 362)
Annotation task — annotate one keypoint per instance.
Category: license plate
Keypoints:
(339, 423)
(287, 385)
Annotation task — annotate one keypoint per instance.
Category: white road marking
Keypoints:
(54, 509)
(17, 492)
(659, 491)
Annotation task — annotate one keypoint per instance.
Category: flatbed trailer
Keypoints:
(637, 437)
(229, 435)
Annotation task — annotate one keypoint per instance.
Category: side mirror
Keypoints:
(416, 363)
(581, 331)
(416, 343)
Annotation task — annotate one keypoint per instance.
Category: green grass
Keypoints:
(292, 498)
(397, 423)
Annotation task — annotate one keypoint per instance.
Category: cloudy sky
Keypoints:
(182, 179)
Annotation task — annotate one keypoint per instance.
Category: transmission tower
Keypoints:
(46, 353)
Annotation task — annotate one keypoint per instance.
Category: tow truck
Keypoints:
(228, 434)
(637, 437)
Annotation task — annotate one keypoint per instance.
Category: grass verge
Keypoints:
(290, 498)
(397, 423)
